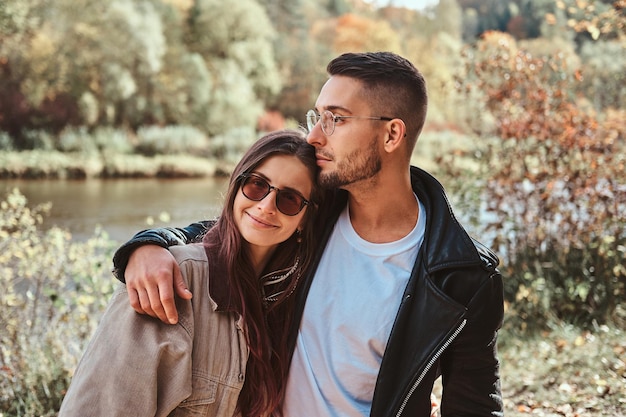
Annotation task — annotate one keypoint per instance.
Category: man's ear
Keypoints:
(396, 133)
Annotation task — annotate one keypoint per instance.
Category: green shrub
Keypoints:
(37, 139)
(77, 140)
(115, 141)
(52, 294)
(168, 140)
(6, 142)
(231, 145)
(128, 166)
(48, 164)
(184, 166)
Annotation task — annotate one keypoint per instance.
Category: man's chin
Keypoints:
(329, 181)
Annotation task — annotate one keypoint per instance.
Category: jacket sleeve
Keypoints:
(164, 237)
(133, 366)
(470, 368)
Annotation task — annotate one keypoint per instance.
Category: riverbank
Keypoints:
(52, 164)
(40, 164)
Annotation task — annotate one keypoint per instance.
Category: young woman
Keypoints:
(227, 354)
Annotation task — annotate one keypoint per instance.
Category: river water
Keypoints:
(122, 206)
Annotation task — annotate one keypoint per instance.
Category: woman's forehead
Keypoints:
(286, 171)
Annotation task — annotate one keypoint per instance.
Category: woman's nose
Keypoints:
(268, 203)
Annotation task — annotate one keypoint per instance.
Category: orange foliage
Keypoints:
(359, 34)
(555, 180)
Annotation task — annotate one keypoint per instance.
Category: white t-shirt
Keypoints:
(349, 312)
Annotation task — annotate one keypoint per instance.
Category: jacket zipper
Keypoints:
(430, 365)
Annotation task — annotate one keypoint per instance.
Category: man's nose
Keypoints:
(316, 135)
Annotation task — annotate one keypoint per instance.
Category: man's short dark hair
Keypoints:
(392, 84)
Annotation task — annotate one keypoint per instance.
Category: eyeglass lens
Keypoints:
(288, 202)
(328, 121)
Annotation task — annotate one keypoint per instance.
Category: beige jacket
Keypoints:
(137, 366)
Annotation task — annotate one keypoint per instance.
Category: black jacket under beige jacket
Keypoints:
(447, 322)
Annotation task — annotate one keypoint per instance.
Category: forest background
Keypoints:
(525, 129)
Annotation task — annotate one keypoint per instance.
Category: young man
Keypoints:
(399, 293)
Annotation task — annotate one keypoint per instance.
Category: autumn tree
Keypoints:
(554, 193)
(599, 30)
(433, 42)
(360, 34)
(300, 58)
(133, 63)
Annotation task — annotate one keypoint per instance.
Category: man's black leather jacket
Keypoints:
(448, 318)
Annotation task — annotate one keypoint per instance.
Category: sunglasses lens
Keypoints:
(255, 188)
(289, 203)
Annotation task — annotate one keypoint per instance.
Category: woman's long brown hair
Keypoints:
(267, 323)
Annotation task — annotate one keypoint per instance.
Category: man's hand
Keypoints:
(152, 275)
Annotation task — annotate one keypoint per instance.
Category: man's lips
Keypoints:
(322, 158)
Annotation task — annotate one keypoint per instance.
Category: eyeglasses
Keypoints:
(256, 188)
(329, 119)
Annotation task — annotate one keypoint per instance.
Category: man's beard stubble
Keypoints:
(360, 165)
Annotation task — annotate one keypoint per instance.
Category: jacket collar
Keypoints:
(447, 244)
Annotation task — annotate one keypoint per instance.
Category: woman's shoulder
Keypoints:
(190, 252)
(193, 263)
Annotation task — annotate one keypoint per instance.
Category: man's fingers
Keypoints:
(152, 276)
(154, 295)
(144, 303)
(179, 285)
(167, 303)
(133, 298)
(167, 297)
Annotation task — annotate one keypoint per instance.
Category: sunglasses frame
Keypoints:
(244, 177)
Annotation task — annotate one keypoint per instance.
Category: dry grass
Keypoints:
(565, 372)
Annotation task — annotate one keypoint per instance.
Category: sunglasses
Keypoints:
(256, 188)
